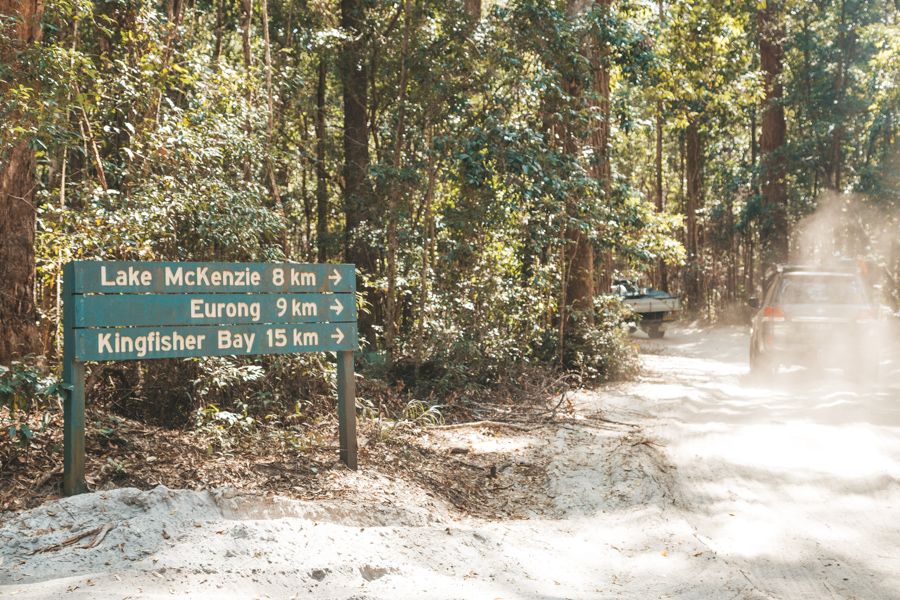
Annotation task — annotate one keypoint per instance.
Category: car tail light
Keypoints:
(773, 313)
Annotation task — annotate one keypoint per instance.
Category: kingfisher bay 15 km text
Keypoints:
(133, 343)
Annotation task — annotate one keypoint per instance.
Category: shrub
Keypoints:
(24, 392)
(602, 352)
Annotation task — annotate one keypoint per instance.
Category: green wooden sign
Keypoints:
(138, 343)
(118, 310)
(118, 277)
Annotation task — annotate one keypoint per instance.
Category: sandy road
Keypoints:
(713, 486)
(794, 480)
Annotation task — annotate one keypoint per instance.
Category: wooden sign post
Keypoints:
(144, 310)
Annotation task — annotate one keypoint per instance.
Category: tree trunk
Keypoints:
(658, 187)
(427, 234)
(246, 21)
(393, 243)
(473, 9)
(270, 106)
(580, 273)
(754, 152)
(220, 29)
(662, 277)
(354, 76)
(578, 263)
(600, 167)
(773, 227)
(321, 174)
(833, 162)
(18, 318)
(358, 206)
(693, 158)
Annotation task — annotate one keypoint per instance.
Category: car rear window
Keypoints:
(820, 289)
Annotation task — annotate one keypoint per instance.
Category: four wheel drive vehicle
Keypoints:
(814, 316)
(656, 308)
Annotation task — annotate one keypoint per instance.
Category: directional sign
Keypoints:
(132, 343)
(117, 310)
(118, 277)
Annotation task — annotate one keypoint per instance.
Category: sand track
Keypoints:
(692, 482)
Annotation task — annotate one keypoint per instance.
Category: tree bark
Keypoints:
(246, 22)
(578, 264)
(600, 168)
(427, 234)
(321, 174)
(473, 9)
(693, 159)
(220, 30)
(393, 243)
(18, 317)
(663, 276)
(270, 97)
(834, 160)
(354, 77)
(358, 200)
(580, 273)
(774, 227)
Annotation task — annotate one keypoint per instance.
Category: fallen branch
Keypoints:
(103, 531)
(44, 479)
(99, 532)
(487, 424)
(68, 541)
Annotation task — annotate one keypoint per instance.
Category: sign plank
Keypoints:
(114, 310)
(139, 343)
(125, 310)
(130, 277)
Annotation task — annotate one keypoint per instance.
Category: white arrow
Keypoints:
(338, 335)
(335, 277)
(337, 307)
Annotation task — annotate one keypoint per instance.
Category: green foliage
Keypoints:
(24, 394)
(422, 413)
(222, 428)
(154, 141)
(602, 351)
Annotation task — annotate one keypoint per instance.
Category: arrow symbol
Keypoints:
(338, 335)
(335, 277)
(337, 307)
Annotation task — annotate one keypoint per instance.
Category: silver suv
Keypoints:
(814, 316)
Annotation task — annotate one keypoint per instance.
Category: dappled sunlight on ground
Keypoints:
(695, 482)
(802, 466)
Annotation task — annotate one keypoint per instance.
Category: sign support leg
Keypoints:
(73, 406)
(346, 385)
(73, 429)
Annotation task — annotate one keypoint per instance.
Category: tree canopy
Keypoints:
(490, 167)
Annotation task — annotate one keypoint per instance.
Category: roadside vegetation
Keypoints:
(490, 167)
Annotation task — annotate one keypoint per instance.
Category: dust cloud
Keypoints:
(846, 231)
(849, 226)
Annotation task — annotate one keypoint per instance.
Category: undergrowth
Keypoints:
(230, 407)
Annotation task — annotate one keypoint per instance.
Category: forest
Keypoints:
(490, 167)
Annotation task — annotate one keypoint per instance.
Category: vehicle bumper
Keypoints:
(827, 344)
